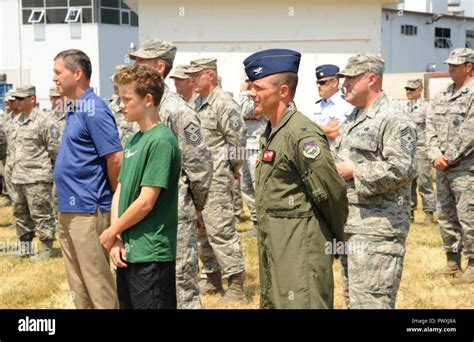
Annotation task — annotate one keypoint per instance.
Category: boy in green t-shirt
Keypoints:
(144, 216)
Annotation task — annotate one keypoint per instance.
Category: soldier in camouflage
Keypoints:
(417, 109)
(35, 143)
(450, 142)
(376, 154)
(224, 133)
(58, 114)
(183, 84)
(58, 109)
(6, 126)
(255, 124)
(196, 173)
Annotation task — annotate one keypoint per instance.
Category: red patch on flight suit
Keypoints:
(268, 156)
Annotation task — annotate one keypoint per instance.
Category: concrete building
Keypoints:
(32, 32)
(324, 31)
(418, 35)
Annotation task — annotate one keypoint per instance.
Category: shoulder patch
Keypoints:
(54, 132)
(311, 150)
(408, 140)
(235, 121)
(192, 134)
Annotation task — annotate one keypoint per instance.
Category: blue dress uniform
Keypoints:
(301, 202)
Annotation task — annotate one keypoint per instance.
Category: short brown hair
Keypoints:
(145, 80)
(76, 59)
(287, 78)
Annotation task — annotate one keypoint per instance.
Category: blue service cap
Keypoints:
(269, 62)
(326, 70)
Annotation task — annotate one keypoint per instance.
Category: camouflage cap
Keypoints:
(180, 72)
(460, 56)
(414, 84)
(202, 64)
(117, 68)
(9, 96)
(361, 63)
(24, 91)
(155, 48)
(54, 91)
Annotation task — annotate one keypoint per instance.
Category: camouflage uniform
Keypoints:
(194, 185)
(59, 118)
(126, 129)
(8, 126)
(382, 144)
(417, 113)
(3, 137)
(450, 128)
(255, 128)
(224, 133)
(35, 143)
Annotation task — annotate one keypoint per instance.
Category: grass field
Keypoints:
(28, 284)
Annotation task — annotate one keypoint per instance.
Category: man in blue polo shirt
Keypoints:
(85, 173)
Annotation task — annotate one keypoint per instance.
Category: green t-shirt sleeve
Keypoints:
(159, 165)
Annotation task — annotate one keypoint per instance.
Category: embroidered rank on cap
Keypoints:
(268, 156)
(311, 150)
(408, 140)
(192, 134)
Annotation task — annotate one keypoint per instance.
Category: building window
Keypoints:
(116, 12)
(56, 3)
(73, 15)
(36, 16)
(60, 11)
(134, 19)
(80, 3)
(443, 38)
(110, 3)
(470, 39)
(87, 15)
(409, 30)
(56, 15)
(125, 17)
(32, 3)
(109, 16)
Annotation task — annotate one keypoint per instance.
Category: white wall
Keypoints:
(114, 46)
(430, 6)
(412, 53)
(9, 38)
(324, 31)
(38, 55)
(435, 6)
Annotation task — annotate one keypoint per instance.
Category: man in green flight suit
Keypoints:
(300, 199)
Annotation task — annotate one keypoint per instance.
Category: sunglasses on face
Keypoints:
(323, 82)
(409, 89)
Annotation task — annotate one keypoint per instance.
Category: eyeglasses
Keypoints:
(20, 98)
(323, 82)
(409, 89)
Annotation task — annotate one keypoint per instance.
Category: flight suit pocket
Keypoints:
(288, 251)
(314, 188)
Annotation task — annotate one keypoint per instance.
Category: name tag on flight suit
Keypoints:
(268, 156)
